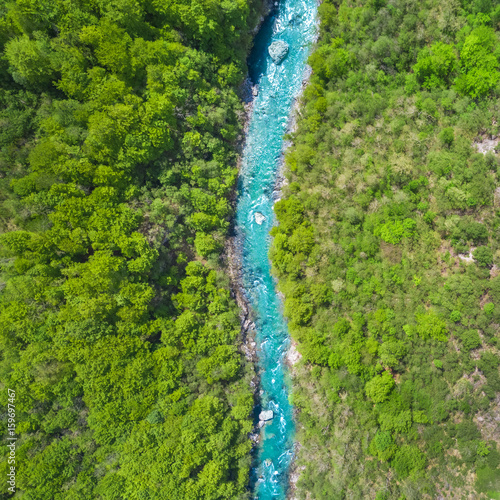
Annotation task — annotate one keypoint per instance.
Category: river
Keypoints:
(293, 21)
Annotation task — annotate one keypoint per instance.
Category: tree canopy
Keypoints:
(117, 328)
(387, 252)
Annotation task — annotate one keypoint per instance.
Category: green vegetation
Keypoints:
(388, 250)
(119, 122)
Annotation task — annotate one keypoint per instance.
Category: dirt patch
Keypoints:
(294, 477)
(392, 253)
(476, 379)
(293, 356)
(467, 257)
(494, 271)
(486, 145)
(489, 422)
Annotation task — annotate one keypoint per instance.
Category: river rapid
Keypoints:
(294, 22)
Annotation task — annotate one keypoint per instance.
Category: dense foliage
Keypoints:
(388, 252)
(119, 123)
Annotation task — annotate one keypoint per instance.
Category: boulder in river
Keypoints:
(278, 51)
(259, 218)
(266, 415)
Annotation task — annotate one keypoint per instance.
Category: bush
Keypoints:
(408, 459)
(478, 63)
(483, 449)
(470, 340)
(378, 388)
(489, 308)
(436, 65)
(483, 256)
(430, 325)
(155, 417)
(429, 217)
(382, 446)
(488, 480)
(447, 136)
(429, 106)
(206, 244)
(394, 231)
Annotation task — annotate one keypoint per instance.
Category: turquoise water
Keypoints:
(293, 21)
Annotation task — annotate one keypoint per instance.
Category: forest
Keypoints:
(119, 129)
(388, 252)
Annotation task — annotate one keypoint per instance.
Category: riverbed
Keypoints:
(276, 89)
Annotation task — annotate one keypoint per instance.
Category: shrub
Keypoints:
(205, 244)
(483, 256)
(155, 417)
(472, 231)
(446, 136)
(489, 308)
(487, 480)
(430, 325)
(394, 231)
(436, 65)
(478, 63)
(429, 217)
(379, 387)
(470, 340)
(408, 459)
(483, 449)
(382, 446)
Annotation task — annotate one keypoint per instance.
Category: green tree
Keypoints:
(206, 244)
(478, 62)
(430, 325)
(379, 387)
(408, 459)
(436, 65)
(470, 339)
(30, 60)
(483, 256)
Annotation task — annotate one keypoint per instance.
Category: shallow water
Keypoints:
(293, 21)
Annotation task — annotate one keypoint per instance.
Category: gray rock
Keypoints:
(278, 51)
(259, 218)
(266, 415)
